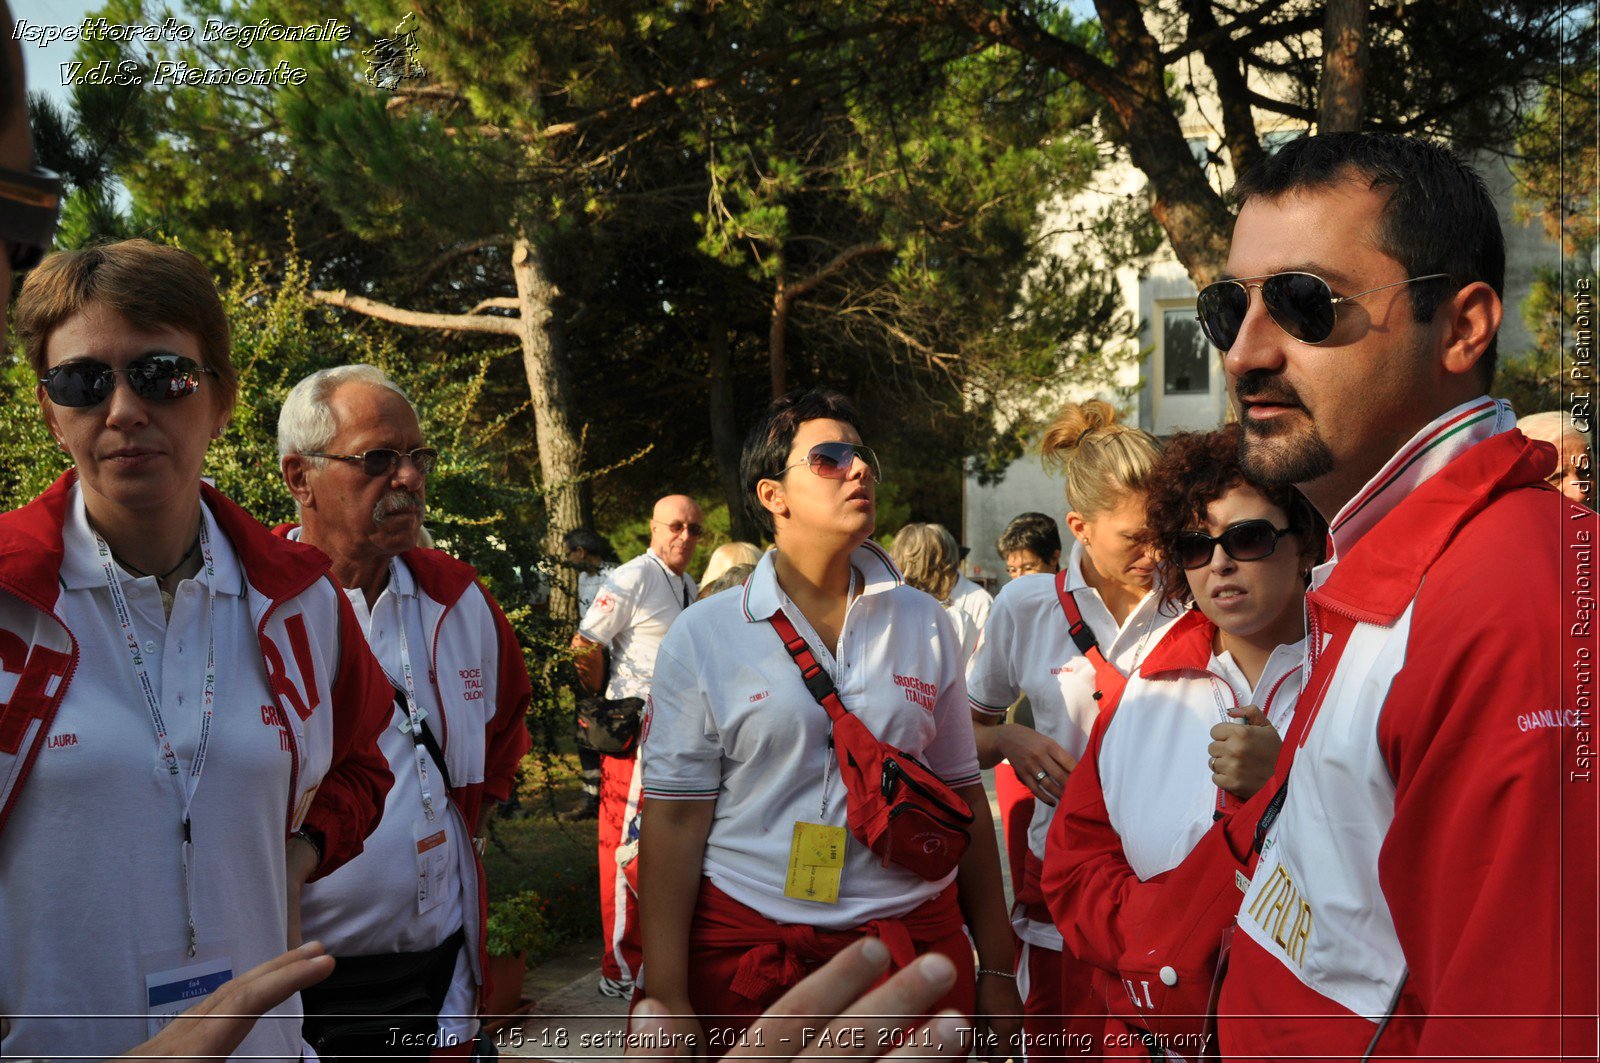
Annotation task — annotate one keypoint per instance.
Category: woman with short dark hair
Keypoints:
(748, 876)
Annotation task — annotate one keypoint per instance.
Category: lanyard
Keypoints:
(683, 586)
(415, 713)
(152, 703)
(827, 755)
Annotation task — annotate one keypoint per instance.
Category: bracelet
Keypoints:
(997, 974)
(305, 836)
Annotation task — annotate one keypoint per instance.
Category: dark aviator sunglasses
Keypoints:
(382, 461)
(1302, 304)
(1249, 540)
(156, 377)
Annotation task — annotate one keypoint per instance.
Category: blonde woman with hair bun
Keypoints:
(1027, 650)
(727, 556)
(929, 558)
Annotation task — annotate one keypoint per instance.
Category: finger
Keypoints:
(650, 1031)
(1216, 749)
(890, 1008)
(826, 991)
(1251, 716)
(1063, 762)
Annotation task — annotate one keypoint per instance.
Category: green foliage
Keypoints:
(519, 924)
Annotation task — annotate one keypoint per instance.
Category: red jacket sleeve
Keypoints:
(1092, 893)
(349, 801)
(508, 739)
(1489, 865)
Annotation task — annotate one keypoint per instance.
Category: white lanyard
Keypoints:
(415, 713)
(827, 755)
(153, 704)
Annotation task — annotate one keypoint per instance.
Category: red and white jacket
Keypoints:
(476, 697)
(1435, 856)
(329, 691)
(1142, 797)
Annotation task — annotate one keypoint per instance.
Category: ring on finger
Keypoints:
(1041, 776)
(1213, 764)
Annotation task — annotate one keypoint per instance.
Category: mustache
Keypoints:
(1260, 386)
(397, 502)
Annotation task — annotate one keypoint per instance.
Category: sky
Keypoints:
(43, 65)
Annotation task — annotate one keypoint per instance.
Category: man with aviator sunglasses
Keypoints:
(630, 616)
(1426, 881)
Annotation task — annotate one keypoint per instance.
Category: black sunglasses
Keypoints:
(155, 377)
(383, 461)
(30, 204)
(1249, 540)
(832, 461)
(1302, 304)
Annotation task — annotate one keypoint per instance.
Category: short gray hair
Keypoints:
(1550, 426)
(306, 422)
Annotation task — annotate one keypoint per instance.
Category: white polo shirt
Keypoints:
(1154, 769)
(370, 906)
(638, 602)
(973, 600)
(1025, 649)
(967, 631)
(91, 883)
(589, 584)
(731, 719)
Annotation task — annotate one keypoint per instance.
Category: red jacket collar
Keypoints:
(442, 577)
(1186, 647)
(1379, 577)
(31, 550)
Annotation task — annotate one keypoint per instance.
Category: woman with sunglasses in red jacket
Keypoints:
(188, 709)
(749, 877)
(1197, 729)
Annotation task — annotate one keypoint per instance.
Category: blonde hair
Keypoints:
(1552, 426)
(726, 556)
(927, 556)
(1104, 460)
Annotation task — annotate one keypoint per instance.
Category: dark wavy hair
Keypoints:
(766, 447)
(1196, 469)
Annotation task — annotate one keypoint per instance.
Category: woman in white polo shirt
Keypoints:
(188, 710)
(1027, 648)
(739, 776)
(1196, 731)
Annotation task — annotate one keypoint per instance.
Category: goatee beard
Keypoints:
(1275, 454)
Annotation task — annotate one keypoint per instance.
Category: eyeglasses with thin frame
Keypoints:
(1027, 568)
(678, 527)
(383, 461)
(833, 460)
(1248, 540)
(158, 376)
(1302, 304)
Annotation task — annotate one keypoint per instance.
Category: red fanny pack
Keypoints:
(895, 806)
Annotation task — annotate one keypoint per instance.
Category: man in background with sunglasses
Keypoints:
(404, 918)
(629, 618)
(1426, 880)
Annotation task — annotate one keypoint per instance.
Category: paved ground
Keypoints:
(568, 1020)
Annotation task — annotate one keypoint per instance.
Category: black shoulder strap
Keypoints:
(426, 739)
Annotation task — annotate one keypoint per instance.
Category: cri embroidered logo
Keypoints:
(605, 603)
(917, 691)
(644, 722)
(272, 716)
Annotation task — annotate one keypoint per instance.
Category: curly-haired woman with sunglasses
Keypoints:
(748, 875)
(190, 713)
(1196, 731)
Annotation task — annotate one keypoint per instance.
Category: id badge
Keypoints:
(433, 863)
(174, 981)
(816, 862)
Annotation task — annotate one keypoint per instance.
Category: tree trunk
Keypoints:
(778, 340)
(726, 440)
(544, 361)
(1343, 89)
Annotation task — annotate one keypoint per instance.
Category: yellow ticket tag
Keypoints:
(816, 860)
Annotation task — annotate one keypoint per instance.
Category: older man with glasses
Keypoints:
(629, 618)
(404, 918)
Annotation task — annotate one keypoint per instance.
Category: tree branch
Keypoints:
(1218, 34)
(502, 326)
(834, 265)
(1238, 124)
(458, 251)
(500, 302)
